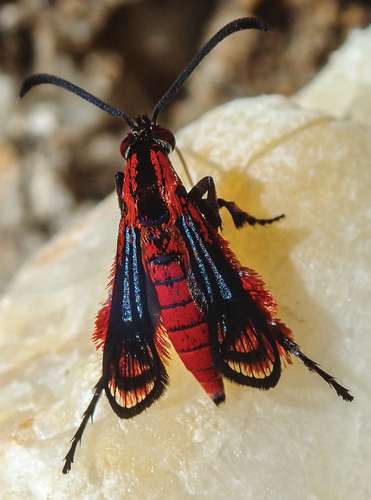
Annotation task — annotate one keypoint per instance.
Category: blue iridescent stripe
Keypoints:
(131, 277)
(126, 305)
(136, 276)
(224, 290)
(200, 264)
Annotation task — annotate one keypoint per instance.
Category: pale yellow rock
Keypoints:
(297, 441)
(343, 87)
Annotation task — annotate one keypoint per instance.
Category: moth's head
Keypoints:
(146, 130)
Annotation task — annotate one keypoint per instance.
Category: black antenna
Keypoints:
(40, 78)
(244, 23)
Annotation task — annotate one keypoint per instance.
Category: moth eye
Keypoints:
(163, 134)
(124, 146)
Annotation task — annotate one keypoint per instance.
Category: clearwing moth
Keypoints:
(175, 279)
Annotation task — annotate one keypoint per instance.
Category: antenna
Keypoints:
(40, 78)
(244, 23)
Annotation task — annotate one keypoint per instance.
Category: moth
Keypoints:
(175, 279)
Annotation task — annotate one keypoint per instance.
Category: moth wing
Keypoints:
(134, 343)
(244, 347)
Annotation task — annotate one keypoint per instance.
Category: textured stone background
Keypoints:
(310, 160)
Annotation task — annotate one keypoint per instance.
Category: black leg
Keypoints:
(294, 349)
(240, 218)
(85, 418)
(209, 207)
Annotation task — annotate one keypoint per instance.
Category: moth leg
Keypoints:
(210, 206)
(240, 218)
(292, 348)
(85, 418)
(119, 182)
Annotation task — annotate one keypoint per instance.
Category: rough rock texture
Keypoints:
(296, 441)
(343, 87)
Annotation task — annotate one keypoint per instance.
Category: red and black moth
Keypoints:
(175, 278)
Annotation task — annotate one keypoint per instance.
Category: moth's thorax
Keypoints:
(149, 190)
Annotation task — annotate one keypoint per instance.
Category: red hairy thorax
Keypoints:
(167, 184)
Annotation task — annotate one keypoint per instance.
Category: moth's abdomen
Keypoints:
(184, 321)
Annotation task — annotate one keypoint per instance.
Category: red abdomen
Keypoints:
(167, 265)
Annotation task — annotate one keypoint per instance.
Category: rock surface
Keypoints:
(296, 441)
(343, 86)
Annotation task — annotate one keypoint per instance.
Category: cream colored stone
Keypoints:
(296, 441)
(343, 87)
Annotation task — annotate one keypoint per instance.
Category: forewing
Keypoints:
(133, 372)
(244, 347)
